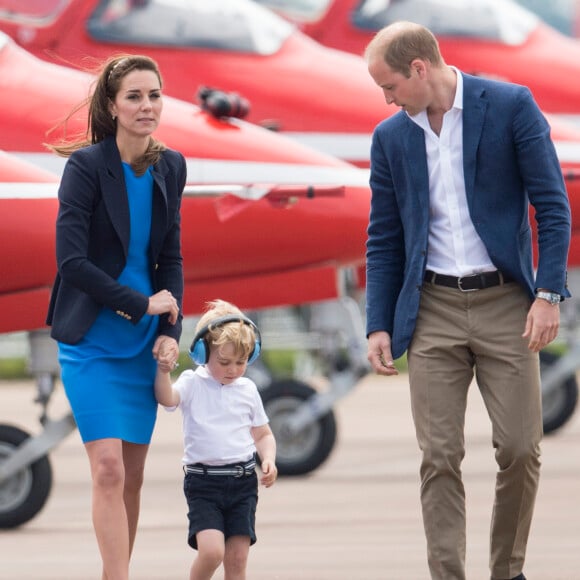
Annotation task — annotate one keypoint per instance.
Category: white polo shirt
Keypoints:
(217, 418)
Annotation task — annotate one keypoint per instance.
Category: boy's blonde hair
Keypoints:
(241, 335)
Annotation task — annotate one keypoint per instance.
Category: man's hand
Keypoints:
(542, 324)
(379, 354)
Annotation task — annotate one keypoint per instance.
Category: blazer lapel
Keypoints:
(159, 209)
(114, 191)
(474, 110)
(416, 155)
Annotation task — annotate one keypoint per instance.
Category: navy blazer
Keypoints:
(92, 240)
(509, 161)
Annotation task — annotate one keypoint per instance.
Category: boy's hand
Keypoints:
(165, 367)
(166, 351)
(269, 473)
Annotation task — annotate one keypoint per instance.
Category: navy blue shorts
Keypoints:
(221, 502)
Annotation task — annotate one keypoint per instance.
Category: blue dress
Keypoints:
(109, 375)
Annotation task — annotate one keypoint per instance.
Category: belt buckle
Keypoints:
(459, 285)
(239, 471)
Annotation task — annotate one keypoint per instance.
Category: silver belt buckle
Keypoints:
(240, 470)
(459, 282)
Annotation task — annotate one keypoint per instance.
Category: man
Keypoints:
(450, 278)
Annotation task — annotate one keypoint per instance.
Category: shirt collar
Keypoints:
(205, 374)
(457, 101)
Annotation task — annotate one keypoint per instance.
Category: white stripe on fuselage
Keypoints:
(206, 177)
(28, 190)
(40, 190)
(355, 147)
(201, 171)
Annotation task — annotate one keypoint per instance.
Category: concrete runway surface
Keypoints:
(356, 518)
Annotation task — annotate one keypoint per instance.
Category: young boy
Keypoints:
(224, 425)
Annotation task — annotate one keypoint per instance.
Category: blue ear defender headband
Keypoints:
(199, 350)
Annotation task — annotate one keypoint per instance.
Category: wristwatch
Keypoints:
(552, 297)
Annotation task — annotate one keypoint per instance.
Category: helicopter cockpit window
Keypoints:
(4, 40)
(497, 20)
(563, 15)
(34, 12)
(233, 25)
(298, 10)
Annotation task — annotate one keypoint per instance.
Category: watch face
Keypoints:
(551, 297)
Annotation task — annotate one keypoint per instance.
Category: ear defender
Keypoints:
(199, 350)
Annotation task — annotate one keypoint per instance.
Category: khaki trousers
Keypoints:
(457, 334)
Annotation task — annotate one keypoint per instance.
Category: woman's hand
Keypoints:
(163, 302)
(166, 352)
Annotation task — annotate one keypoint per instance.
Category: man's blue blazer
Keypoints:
(92, 240)
(509, 161)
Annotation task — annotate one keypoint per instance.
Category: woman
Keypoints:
(117, 296)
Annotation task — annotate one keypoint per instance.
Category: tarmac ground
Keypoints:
(357, 517)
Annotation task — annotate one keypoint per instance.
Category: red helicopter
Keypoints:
(497, 38)
(36, 95)
(294, 85)
(320, 96)
(317, 95)
(286, 223)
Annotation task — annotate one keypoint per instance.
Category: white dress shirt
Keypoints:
(455, 248)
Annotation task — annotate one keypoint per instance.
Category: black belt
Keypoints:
(468, 283)
(233, 470)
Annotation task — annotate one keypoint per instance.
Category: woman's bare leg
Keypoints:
(134, 457)
(108, 507)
